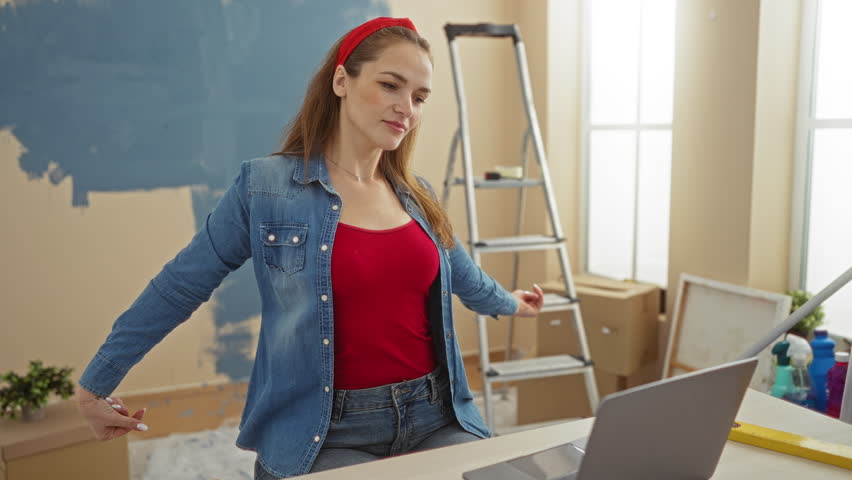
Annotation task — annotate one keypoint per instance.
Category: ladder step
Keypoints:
(554, 302)
(502, 183)
(565, 300)
(538, 367)
(516, 244)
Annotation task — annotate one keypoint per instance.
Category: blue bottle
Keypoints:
(823, 348)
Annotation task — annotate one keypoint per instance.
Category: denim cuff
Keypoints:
(509, 305)
(101, 376)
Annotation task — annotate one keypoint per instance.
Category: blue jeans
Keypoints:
(379, 422)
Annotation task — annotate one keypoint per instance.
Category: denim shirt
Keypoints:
(284, 217)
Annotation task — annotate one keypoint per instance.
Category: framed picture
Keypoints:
(714, 322)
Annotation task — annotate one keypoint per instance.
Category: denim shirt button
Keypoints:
(449, 335)
(271, 237)
(335, 207)
(316, 439)
(325, 341)
(324, 297)
(327, 389)
(445, 293)
(324, 248)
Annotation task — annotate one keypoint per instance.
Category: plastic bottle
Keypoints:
(823, 348)
(783, 371)
(836, 381)
(798, 394)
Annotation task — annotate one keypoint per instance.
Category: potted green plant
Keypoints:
(29, 393)
(807, 325)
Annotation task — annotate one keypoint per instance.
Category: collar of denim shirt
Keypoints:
(316, 171)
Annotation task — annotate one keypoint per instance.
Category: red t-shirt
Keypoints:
(380, 281)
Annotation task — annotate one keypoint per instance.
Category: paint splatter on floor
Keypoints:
(205, 455)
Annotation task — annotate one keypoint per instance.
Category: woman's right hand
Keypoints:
(108, 418)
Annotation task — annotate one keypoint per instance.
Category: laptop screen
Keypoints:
(671, 429)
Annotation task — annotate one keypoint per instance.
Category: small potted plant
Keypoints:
(807, 325)
(30, 393)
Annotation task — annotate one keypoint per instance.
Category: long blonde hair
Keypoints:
(316, 123)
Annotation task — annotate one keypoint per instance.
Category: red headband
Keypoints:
(364, 30)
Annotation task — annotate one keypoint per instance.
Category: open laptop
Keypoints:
(675, 428)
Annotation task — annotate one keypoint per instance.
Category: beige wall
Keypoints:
(558, 68)
(69, 272)
(774, 144)
(732, 141)
(712, 139)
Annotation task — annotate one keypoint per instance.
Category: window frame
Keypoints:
(585, 135)
(806, 126)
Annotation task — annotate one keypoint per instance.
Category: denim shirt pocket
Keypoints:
(283, 245)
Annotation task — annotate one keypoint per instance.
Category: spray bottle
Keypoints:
(798, 394)
(783, 371)
(799, 345)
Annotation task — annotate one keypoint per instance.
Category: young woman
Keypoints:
(355, 261)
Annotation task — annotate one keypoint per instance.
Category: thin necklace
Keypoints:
(356, 177)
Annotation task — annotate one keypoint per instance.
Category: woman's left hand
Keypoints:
(529, 303)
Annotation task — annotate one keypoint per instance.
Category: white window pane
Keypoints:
(830, 224)
(657, 70)
(834, 70)
(612, 174)
(614, 61)
(652, 242)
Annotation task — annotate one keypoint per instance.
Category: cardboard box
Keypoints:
(620, 320)
(555, 398)
(60, 446)
(622, 327)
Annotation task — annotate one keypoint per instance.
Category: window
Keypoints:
(627, 117)
(822, 233)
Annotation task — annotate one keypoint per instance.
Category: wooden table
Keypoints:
(738, 460)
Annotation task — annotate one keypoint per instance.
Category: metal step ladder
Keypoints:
(539, 367)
